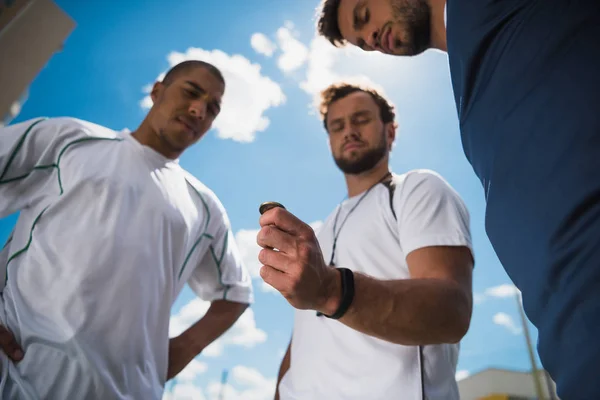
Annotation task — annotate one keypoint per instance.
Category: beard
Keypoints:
(415, 17)
(366, 162)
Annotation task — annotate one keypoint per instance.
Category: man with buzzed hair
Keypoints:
(110, 230)
(527, 91)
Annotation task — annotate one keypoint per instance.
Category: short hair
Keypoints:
(327, 22)
(186, 66)
(338, 91)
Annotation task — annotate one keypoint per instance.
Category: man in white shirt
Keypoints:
(389, 272)
(110, 230)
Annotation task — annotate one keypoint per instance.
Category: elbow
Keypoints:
(460, 323)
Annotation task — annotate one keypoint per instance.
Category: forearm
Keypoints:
(408, 312)
(283, 368)
(221, 315)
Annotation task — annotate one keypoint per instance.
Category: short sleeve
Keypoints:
(431, 213)
(222, 273)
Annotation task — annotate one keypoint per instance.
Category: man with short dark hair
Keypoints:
(110, 230)
(388, 274)
(527, 90)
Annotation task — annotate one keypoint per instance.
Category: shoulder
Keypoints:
(208, 197)
(84, 128)
(63, 126)
(423, 179)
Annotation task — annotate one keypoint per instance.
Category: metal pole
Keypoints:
(534, 369)
(223, 383)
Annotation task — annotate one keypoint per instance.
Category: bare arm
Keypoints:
(221, 315)
(432, 307)
(283, 368)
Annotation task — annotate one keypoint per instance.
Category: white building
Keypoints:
(501, 384)
(31, 31)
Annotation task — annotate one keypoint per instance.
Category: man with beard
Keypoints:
(111, 228)
(527, 90)
(389, 274)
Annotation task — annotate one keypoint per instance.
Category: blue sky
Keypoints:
(268, 144)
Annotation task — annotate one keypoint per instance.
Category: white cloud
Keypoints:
(249, 249)
(254, 386)
(243, 333)
(192, 370)
(499, 292)
(184, 391)
(293, 52)
(502, 291)
(462, 374)
(262, 44)
(248, 94)
(506, 321)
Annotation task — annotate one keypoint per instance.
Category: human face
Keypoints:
(396, 27)
(358, 139)
(185, 109)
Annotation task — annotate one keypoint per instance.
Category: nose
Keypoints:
(372, 38)
(198, 109)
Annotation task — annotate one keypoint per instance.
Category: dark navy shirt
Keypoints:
(526, 79)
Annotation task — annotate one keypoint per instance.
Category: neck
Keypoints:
(359, 183)
(438, 26)
(148, 137)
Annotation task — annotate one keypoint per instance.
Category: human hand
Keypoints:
(9, 345)
(297, 268)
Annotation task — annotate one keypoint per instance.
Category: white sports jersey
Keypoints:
(108, 234)
(332, 361)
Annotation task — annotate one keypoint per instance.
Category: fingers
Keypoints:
(275, 259)
(9, 345)
(286, 221)
(272, 237)
(275, 278)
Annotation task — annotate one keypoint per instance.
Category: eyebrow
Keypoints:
(214, 103)
(360, 113)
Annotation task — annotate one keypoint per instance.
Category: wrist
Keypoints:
(332, 292)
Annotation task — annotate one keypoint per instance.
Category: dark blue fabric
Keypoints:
(526, 78)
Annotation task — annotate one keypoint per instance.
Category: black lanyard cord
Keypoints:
(335, 236)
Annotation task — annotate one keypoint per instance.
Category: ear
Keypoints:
(390, 134)
(156, 91)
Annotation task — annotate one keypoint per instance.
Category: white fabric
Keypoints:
(332, 361)
(109, 233)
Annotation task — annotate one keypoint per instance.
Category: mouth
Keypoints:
(352, 146)
(387, 40)
(189, 128)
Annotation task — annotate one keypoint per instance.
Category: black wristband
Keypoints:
(347, 294)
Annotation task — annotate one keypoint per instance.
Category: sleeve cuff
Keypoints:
(413, 244)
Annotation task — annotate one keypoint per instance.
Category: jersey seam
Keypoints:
(218, 262)
(202, 235)
(54, 165)
(19, 145)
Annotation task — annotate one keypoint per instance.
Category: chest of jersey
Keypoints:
(131, 209)
(365, 238)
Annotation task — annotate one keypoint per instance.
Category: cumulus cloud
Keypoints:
(251, 383)
(262, 44)
(246, 241)
(192, 371)
(507, 322)
(248, 96)
(502, 291)
(462, 374)
(498, 292)
(244, 333)
(184, 391)
(293, 52)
